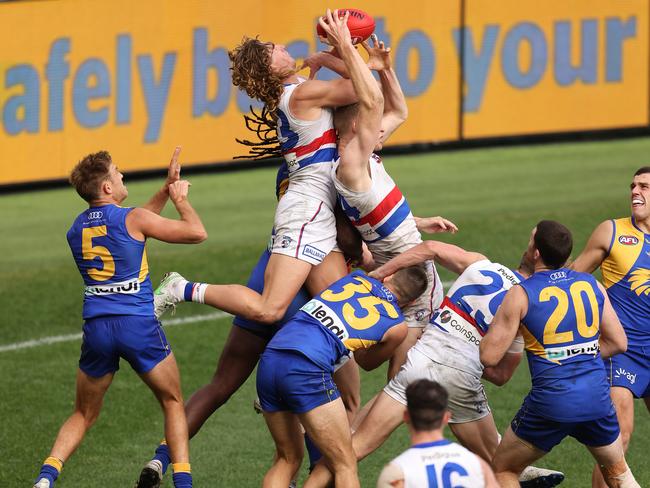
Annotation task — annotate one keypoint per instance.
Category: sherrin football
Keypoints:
(360, 24)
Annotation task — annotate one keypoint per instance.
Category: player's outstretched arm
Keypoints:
(612, 335)
(395, 108)
(596, 249)
(158, 201)
(435, 225)
(376, 355)
(504, 327)
(502, 372)
(454, 258)
(142, 223)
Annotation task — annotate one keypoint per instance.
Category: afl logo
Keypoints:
(628, 240)
(95, 215)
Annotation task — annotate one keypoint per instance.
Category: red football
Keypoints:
(361, 25)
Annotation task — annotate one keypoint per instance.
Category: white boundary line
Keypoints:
(44, 341)
(192, 319)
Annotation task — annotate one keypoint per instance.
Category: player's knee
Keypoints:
(626, 436)
(292, 457)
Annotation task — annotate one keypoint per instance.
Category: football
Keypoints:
(361, 25)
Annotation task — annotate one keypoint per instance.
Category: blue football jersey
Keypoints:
(353, 313)
(561, 331)
(112, 264)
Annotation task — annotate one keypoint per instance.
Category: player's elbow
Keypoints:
(488, 358)
(197, 235)
(373, 100)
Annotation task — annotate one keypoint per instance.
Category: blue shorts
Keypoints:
(256, 282)
(139, 340)
(631, 370)
(289, 381)
(545, 434)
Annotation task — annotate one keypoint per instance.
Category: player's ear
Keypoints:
(407, 419)
(446, 417)
(106, 187)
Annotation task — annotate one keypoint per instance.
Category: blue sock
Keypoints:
(314, 454)
(162, 455)
(182, 480)
(187, 293)
(48, 472)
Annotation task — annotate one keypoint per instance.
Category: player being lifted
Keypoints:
(108, 245)
(567, 323)
(621, 248)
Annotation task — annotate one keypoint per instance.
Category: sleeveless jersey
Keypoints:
(381, 215)
(457, 327)
(626, 276)
(308, 148)
(442, 463)
(353, 313)
(112, 264)
(561, 330)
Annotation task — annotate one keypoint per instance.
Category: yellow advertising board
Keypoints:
(554, 66)
(138, 78)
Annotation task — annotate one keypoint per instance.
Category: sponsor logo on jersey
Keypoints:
(628, 240)
(388, 294)
(620, 372)
(95, 215)
(559, 275)
(451, 322)
(313, 252)
(326, 317)
(639, 281)
(124, 287)
(292, 161)
(508, 275)
(565, 352)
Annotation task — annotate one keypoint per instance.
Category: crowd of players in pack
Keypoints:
(310, 323)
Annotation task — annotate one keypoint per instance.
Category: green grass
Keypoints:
(495, 196)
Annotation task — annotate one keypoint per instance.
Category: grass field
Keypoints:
(494, 195)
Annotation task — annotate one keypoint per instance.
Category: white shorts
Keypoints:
(419, 313)
(305, 228)
(467, 400)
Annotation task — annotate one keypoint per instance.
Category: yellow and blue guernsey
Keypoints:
(112, 264)
(353, 313)
(626, 276)
(561, 331)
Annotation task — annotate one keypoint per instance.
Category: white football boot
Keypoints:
(534, 477)
(168, 294)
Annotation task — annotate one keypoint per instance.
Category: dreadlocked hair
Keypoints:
(264, 125)
(251, 72)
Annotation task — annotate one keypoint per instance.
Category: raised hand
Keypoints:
(378, 54)
(336, 28)
(179, 190)
(174, 170)
(435, 225)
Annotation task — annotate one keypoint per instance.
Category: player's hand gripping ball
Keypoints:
(360, 25)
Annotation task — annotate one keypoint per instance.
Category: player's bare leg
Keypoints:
(283, 278)
(623, 400)
(164, 380)
(399, 356)
(479, 436)
(512, 457)
(327, 425)
(88, 404)
(287, 435)
(611, 461)
(383, 418)
(236, 363)
(348, 381)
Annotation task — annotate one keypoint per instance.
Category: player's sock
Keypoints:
(182, 475)
(162, 455)
(50, 470)
(313, 452)
(195, 292)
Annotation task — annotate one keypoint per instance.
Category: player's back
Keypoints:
(626, 276)
(457, 327)
(353, 313)
(561, 330)
(112, 264)
(440, 463)
(309, 149)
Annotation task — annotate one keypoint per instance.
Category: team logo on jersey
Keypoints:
(326, 317)
(285, 241)
(628, 240)
(640, 281)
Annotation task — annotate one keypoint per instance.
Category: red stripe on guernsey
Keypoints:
(449, 304)
(380, 212)
(329, 137)
(302, 229)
